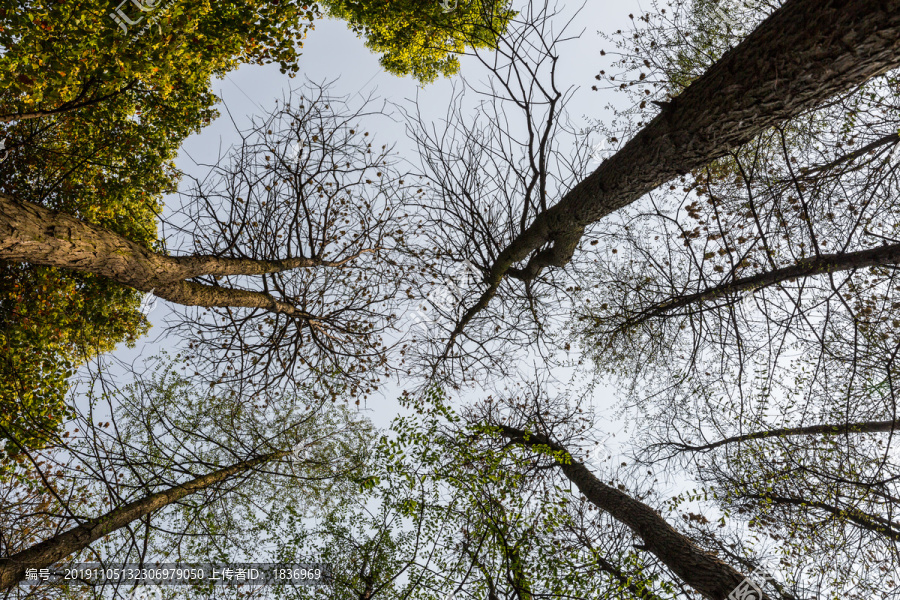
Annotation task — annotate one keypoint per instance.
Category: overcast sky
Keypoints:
(333, 53)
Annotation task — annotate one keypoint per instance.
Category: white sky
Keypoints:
(333, 53)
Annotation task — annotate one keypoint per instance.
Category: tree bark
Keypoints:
(814, 265)
(701, 570)
(34, 234)
(880, 525)
(862, 427)
(806, 52)
(48, 552)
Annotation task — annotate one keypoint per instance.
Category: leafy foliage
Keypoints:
(422, 38)
(163, 431)
(96, 101)
(49, 323)
(94, 116)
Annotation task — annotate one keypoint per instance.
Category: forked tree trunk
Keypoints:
(48, 552)
(805, 53)
(37, 235)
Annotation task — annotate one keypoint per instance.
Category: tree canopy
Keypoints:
(729, 268)
(423, 39)
(95, 104)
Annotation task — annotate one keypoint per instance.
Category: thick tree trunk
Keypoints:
(862, 427)
(814, 265)
(48, 552)
(34, 234)
(699, 569)
(806, 52)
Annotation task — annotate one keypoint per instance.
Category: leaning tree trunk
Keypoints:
(806, 52)
(888, 254)
(48, 552)
(37, 235)
(888, 426)
(699, 569)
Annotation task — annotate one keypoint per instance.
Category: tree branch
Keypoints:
(880, 525)
(862, 427)
(822, 49)
(824, 263)
(883, 141)
(34, 234)
(704, 572)
(65, 106)
(46, 553)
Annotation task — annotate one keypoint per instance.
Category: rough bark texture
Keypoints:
(699, 569)
(34, 234)
(806, 52)
(862, 427)
(48, 552)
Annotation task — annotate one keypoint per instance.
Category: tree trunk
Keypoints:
(806, 52)
(862, 427)
(814, 265)
(48, 552)
(701, 570)
(34, 234)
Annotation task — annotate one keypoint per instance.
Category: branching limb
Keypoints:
(696, 567)
(717, 112)
(864, 427)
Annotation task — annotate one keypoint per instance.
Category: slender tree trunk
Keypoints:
(806, 52)
(880, 525)
(699, 569)
(861, 427)
(34, 234)
(814, 265)
(48, 552)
